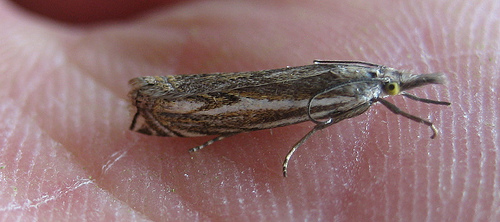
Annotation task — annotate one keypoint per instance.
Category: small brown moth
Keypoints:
(226, 104)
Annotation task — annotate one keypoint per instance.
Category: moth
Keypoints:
(226, 104)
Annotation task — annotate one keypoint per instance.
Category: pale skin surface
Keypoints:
(66, 152)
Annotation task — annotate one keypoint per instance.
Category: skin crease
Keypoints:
(66, 152)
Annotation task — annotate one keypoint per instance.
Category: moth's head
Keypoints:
(402, 81)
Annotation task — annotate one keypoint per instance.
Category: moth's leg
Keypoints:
(318, 126)
(208, 143)
(398, 111)
(134, 120)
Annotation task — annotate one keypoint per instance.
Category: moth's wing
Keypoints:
(158, 99)
(172, 87)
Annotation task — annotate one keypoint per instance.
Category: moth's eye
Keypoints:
(392, 88)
